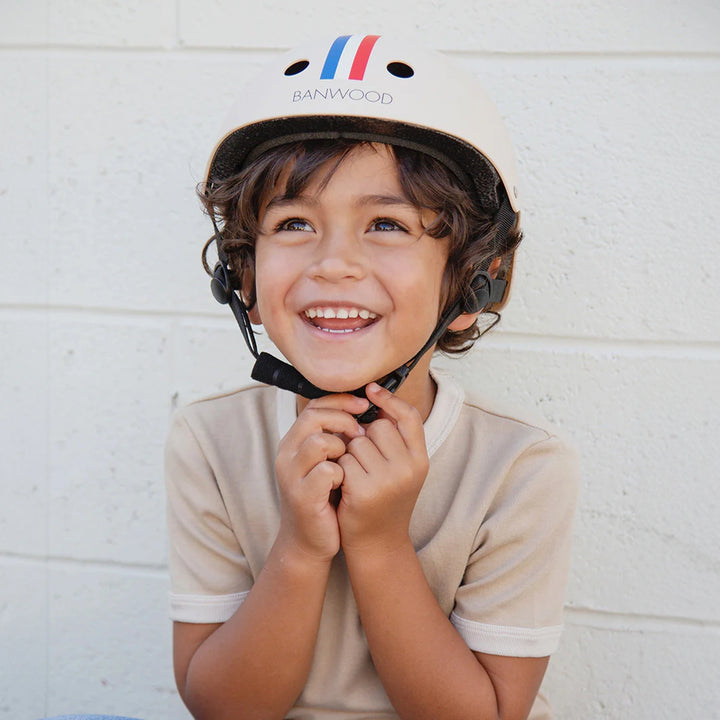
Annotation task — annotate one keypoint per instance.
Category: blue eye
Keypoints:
(385, 225)
(295, 225)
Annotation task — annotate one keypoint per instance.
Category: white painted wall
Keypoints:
(107, 113)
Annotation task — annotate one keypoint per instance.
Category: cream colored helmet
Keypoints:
(373, 88)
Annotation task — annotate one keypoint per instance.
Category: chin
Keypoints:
(337, 382)
(337, 385)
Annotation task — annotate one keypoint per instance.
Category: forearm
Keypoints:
(425, 666)
(256, 664)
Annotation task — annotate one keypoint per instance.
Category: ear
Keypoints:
(254, 315)
(464, 321)
(248, 283)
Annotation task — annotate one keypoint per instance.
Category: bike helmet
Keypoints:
(374, 89)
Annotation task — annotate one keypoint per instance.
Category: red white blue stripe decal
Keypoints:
(359, 62)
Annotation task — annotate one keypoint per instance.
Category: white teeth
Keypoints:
(342, 313)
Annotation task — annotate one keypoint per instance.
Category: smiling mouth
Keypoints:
(339, 320)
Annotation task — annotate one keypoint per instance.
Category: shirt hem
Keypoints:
(204, 608)
(508, 640)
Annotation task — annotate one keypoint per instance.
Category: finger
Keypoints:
(405, 416)
(315, 422)
(321, 418)
(351, 467)
(383, 443)
(385, 435)
(341, 401)
(313, 449)
(318, 447)
(323, 478)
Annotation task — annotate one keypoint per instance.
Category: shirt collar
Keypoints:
(443, 416)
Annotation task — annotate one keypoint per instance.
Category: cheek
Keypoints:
(441, 274)
(418, 296)
(267, 298)
(429, 277)
(275, 277)
(267, 284)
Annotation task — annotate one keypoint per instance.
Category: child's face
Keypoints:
(348, 285)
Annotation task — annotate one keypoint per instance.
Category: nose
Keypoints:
(339, 256)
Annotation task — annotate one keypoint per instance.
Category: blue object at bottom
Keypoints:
(89, 717)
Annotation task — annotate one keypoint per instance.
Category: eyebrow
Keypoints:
(280, 201)
(383, 200)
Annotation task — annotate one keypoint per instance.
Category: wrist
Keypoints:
(287, 553)
(380, 554)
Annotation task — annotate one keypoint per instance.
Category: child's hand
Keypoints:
(384, 473)
(306, 473)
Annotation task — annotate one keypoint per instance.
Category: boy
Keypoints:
(339, 550)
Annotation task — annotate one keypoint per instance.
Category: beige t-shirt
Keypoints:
(491, 527)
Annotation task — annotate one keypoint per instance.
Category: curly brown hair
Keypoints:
(236, 201)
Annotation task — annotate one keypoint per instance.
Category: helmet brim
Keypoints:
(242, 145)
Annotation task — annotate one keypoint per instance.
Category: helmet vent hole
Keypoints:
(400, 69)
(297, 67)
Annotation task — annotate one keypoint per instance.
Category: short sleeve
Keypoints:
(511, 598)
(209, 573)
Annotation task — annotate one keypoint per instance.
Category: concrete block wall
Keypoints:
(107, 113)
